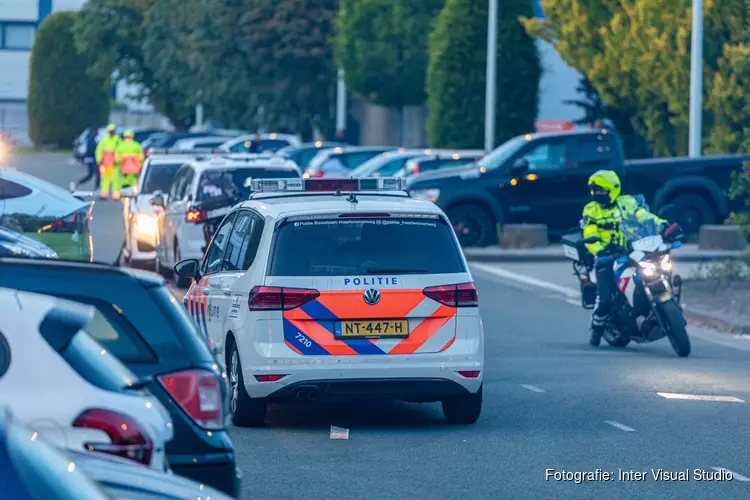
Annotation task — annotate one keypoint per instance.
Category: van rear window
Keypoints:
(349, 246)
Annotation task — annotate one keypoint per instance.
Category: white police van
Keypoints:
(337, 289)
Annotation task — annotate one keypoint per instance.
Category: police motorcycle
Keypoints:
(647, 303)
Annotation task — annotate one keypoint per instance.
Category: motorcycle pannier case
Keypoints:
(575, 249)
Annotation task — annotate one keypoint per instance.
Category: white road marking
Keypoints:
(735, 476)
(528, 280)
(700, 397)
(532, 388)
(620, 426)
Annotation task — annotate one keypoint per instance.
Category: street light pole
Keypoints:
(489, 100)
(696, 81)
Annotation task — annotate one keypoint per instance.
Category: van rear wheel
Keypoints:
(464, 409)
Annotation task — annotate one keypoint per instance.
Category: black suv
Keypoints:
(157, 340)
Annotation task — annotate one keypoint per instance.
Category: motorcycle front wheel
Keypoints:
(675, 323)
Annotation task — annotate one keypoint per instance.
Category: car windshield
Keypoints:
(236, 182)
(159, 176)
(503, 153)
(342, 247)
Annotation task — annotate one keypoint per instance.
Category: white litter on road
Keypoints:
(699, 397)
(532, 388)
(339, 433)
(618, 425)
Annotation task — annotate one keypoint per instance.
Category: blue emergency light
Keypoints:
(332, 185)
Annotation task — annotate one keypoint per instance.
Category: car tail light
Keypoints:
(195, 215)
(198, 393)
(128, 439)
(461, 295)
(318, 174)
(272, 298)
(74, 219)
(269, 378)
(469, 374)
(414, 169)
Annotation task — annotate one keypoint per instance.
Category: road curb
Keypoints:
(530, 257)
(706, 319)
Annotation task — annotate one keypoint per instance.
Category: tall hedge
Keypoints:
(457, 74)
(63, 97)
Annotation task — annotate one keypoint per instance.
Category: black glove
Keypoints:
(673, 233)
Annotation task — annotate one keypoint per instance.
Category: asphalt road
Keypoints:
(551, 402)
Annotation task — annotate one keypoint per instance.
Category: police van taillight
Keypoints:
(273, 298)
(461, 295)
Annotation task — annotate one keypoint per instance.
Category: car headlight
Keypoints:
(425, 194)
(146, 224)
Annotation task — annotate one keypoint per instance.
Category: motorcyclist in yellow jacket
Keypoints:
(106, 153)
(130, 157)
(601, 218)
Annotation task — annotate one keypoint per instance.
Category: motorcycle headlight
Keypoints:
(425, 194)
(666, 263)
(648, 268)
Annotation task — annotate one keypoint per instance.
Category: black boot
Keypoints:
(596, 335)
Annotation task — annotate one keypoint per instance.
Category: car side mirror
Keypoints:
(188, 268)
(157, 201)
(520, 167)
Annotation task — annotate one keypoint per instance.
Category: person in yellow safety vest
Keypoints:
(130, 157)
(106, 158)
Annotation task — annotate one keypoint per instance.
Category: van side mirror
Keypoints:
(188, 268)
(157, 201)
(520, 167)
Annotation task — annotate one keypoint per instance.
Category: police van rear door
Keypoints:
(367, 284)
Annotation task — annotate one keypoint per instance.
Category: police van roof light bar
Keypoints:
(343, 185)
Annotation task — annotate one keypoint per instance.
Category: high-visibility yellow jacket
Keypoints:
(129, 156)
(106, 151)
(604, 222)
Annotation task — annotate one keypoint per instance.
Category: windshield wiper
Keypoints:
(375, 270)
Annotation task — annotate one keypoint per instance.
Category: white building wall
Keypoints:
(19, 10)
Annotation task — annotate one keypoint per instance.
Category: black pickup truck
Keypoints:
(542, 179)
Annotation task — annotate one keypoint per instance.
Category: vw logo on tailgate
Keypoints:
(371, 296)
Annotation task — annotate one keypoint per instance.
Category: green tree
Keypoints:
(637, 56)
(456, 75)
(63, 98)
(288, 42)
(112, 34)
(382, 47)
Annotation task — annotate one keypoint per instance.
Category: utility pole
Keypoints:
(489, 110)
(696, 81)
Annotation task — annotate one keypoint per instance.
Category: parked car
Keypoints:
(31, 469)
(200, 142)
(302, 154)
(438, 161)
(14, 244)
(168, 139)
(83, 397)
(542, 179)
(141, 217)
(388, 163)
(341, 160)
(47, 213)
(121, 479)
(157, 339)
(260, 143)
(202, 192)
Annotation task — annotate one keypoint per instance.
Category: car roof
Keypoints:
(147, 278)
(169, 159)
(278, 205)
(217, 163)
